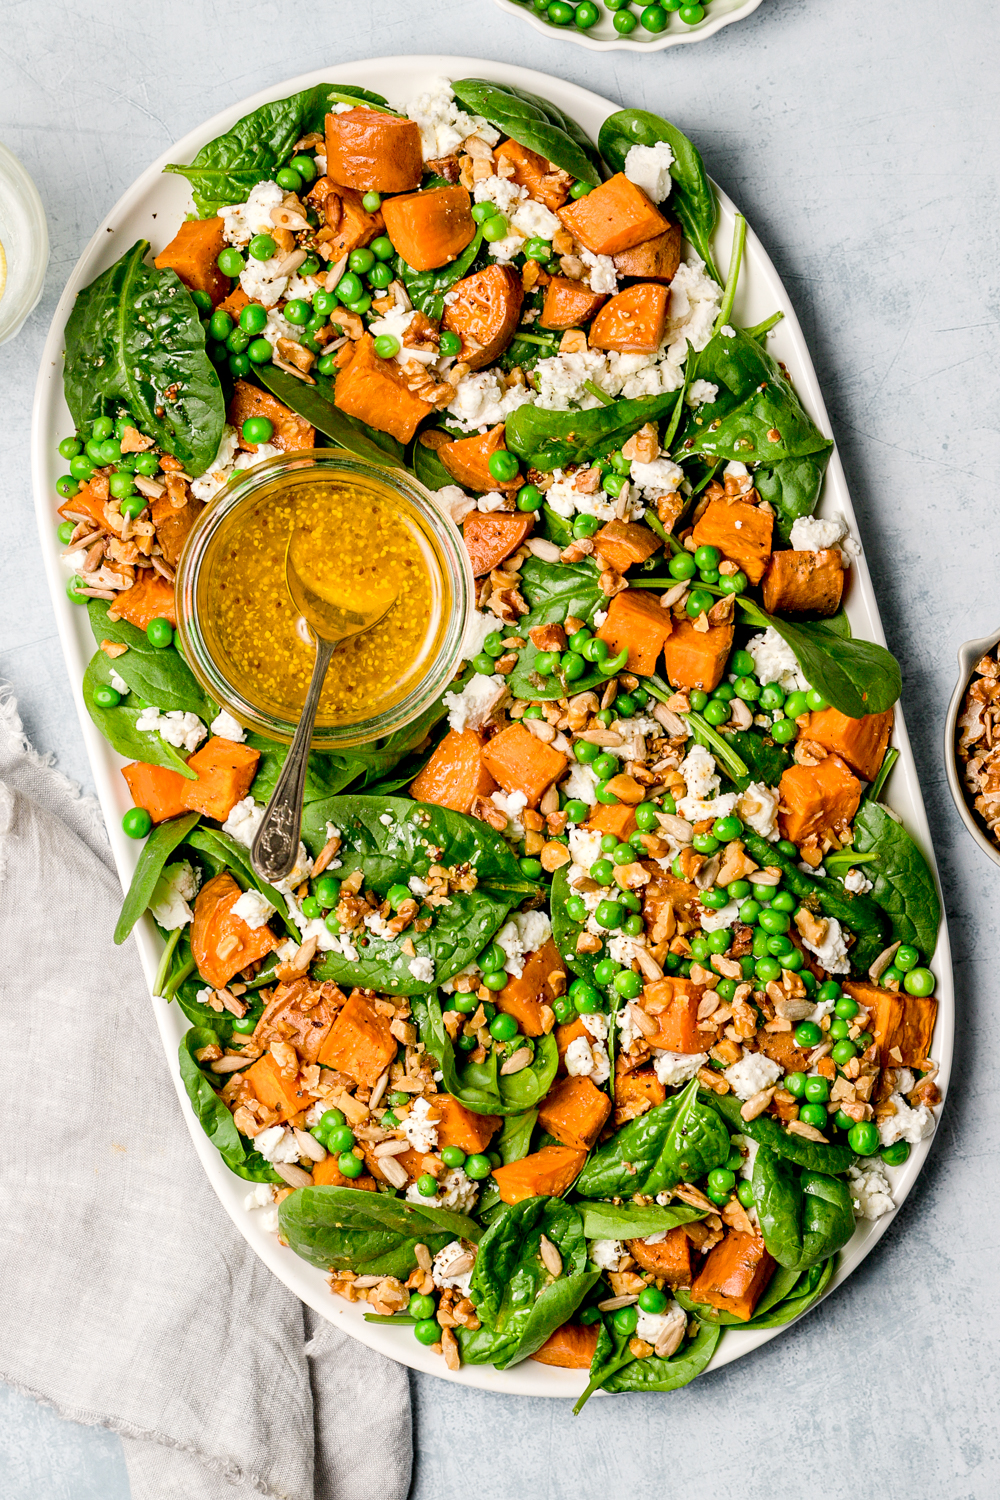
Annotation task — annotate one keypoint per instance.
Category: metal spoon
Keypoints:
(333, 617)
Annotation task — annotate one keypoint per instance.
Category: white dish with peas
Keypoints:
(638, 858)
(629, 25)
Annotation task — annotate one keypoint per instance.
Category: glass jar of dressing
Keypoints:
(241, 633)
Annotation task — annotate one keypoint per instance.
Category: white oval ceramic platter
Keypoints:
(604, 38)
(152, 209)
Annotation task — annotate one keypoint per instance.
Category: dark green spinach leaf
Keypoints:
(159, 674)
(157, 849)
(514, 1140)
(480, 1086)
(678, 1141)
(764, 762)
(549, 440)
(118, 725)
(615, 1367)
(857, 677)
(630, 1221)
(344, 1229)
(792, 487)
(225, 852)
(815, 1156)
(533, 122)
(805, 1217)
(236, 1150)
(426, 289)
(904, 884)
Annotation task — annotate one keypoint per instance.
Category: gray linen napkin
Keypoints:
(129, 1299)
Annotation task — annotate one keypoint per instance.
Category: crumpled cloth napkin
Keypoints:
(129, 1299)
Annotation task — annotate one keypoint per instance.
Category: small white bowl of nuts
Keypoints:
(972, 742)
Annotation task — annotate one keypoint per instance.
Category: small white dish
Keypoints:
(604, 38)
(969, 653)
(24, 245)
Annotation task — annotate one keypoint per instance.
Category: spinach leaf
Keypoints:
(514, 1140)
(200, 1015)
(808, 1289)
(426, 289)
(767, 1131)
(227, 169)
(904, 882)
(792, 487)
(628, 1221)
(315, 403)
(413, 837)
(518, 1300)
(480, 1086)
(615, 1367)
(764, 762)
(155, 852)
(345, 1229)
(159, 674)
(326, 774)
(692, 199)
(532, 122)
(118, 725)
(554, 591)
(782, 1282)
(555, 528)
(429, 469)
(236, 1150)
(860, 913)
(678, 1141)
(549, 440)
(224, 851)
(857, 677)
(134, 336)
(526, 349)
(565, 930)
(805, 1217)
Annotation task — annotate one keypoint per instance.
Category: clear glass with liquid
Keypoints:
(24, 245)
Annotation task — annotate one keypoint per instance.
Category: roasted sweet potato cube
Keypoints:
(634, 321)
(571, 1347)
(543, 1174)
(533, 172)
(373, 152)
(455, 775)
(85, 503)
(678, 1022)
(734, 1275)
(521, 763)
(328, 1174)
(622, 544)
(817, 801)
(654, 260)
(524, 994)
(682, 896)
(221, 943)
(566, 1034)
(458, 1126)
(277, 1089)
(899, 1022)
(614, 217)
(193, 253)
(430, 228)
(574, 1111)
(569, 304)
(484, 310)
(468, 462)
(741, 532)
(350, 223)
(637, 620)
(375, 391)
(291, 432)
(697, 658)
(158, 789)
(360, 1043)
(798, 583)
(613, 817)
(780, 1046)
(635, 1093)
(225, 770)
(173, 526)
(862, 743)
(285, 1018)
(491, 536)
(150, 598)
(669, 1258)
(236, 302)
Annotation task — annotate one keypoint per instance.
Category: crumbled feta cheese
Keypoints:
(472, 707)
(503, 251)
(752, 1073)
(693, 308)
(393, 324)
(419, 887)
(727, 331)
(420, 1131)
(620, 948)
(600, 615)
(628, 1032)
(254, 908)
(856, 882)
(701, 393)
(606, 1254)
(723, 916)
(454, 1190)
(491, 501)
(74, 561)
(758, 807)
(481, 400)
(208, 485)
(278, 327)
(277, 1145)
(566, 500)
(422, 969)
(243, 822)
(870, 1190)
(561, 380)
(698, 770)
(534, 220)
(241, 221)
(675, 1068)
(513, 804)
(906, 1124)
(774, 661)
(601, 1071)
(656, 1326)
(696, 808)
(657, 478)
(228, 728)
(832, 951)
(176, 886)
(595, 1025)
(585, 845)
(810, 534)
(579, 1058)
(259, 1197)
(263, 281)
(533, 928)
(455, 502)
(603, 277)
(301, 870)
(183, 731)
(649, 168)
(443, 125)
(118, 683)
(502, 191)
(248, 460)
(441, 1272)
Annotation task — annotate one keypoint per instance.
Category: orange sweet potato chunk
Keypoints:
(636, 1092)
(799, 583)
(524, 994)
(574, 1111)
(468, 462)
(235, 302)
(484, 310)
(654, 260)
(150, 598)
(613, 817)
(734, 1275)
(614, 217)
(741, 532)
(373, 152)
(565, 1035)
(571, 1347)
(678, 1020)
(459, 1126)
(222, 944)
(862, 743)
(85, 503)
(817, 801)
(898, 1021)
(375, 391)
(328, 1174)
(278, 1089)
(694, 658)
(431, 228)
(545, 1173)
(455, 775)
(360, 1043)
(637, 621)
(634, 321)
(569, 304)
(193, 253)
(156, 788)
(520, 763)
(349, 221)
(291, 432)
(532, 171)
(490, 536)
(173, 526)
(669, 1258)
(622, 544)
(225, 770)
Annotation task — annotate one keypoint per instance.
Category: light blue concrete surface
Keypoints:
(861, 140)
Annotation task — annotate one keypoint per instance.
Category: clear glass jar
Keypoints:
(24, 245)
(440, 543)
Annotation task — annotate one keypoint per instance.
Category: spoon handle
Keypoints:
(277, 842)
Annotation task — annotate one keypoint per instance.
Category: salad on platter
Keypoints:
(598, 1008)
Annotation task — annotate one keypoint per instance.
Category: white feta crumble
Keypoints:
(657, 478)
(501, 191)
(176, 886)
(491, 501)
(585, 845)
(534, 220)
(393, 324)
(254, 909)
(503, 251)
(758, 807)
(581, 785)
(870, 1190)
(228, 728)
(696, 808)
(473, 706)
(751, 1074)
(443, 124)
(420, 1131)
(600, 615)
(454, 1190)
(603, 276)
(579, 1058)
(606, 1254)
(481, 400)
(512, 804)
(74, 561)
(810, 534)
(208, 485)
(422, 969)
(278, 327)
(698, 770)
(649, 168)
(455, 502)
(906, 1124)
(832, 951)
(533, 928)
(723, 916)
(183, 731)
(243, 822)
(701, 393)
(655, 1326)
(595, 1025)
(621, 948)
(566, 500)
(277, 1145)
(628, 1032)
(246, 460)
(241, 221)
(774, 661)
(263, 280)
(856, 882)
(561, 380)
(692, 310)
(261, 1202)
(441, 1272)
(301, 870)
(727, 331)
(119, 684)
(675, 1068)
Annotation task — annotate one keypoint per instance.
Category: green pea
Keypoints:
(864, 1138)
(715, 900)
(784, 901)
(503, 1028)
(477, 1167)
(327, 890)
(148, 464)
(626, 1318)
(587, 15)
(259, 352)
(546, 663)
(795, 1084)
(759, 947)
(707, 557)
(531, 868)
(380, 276)
(783, 732)
(586, 526)
(843, 1053)
(503, 466)
(606, 717)
(719, 940)
(427, 1331)
(727, 829)
(721, 1180)
(495, 228)
(160, 633)
(733, 583)
(136, 823)
(239, 365)
(69, 448)
(737, 890)
(595, 650)
(67, 487)
(495, 979)
(529, 497)
(247, 1024)
(573, 666)
(427, 1186)
(74, 590)
(609, 914)
(262, 247)
(682, 566)
(258, 429)
(361, 260)
(699, 947)
(774, 921)
(230, 262)
(845, 1008)
(817, 1089)
(747, 688)
(625, 22)
(537, 249)
(654, 18)
(896, 1154)
(919, 982)
(341, 1139)
(705, 843)
(106, 696)
(563, 1008)
(81, 468)
(466, 1001)
(691, 14)
(767, 969)
(628, 984)
(796, 704)
(891, 978)
(420, 1306)
(745, 1194)
(816, 701)
(698, 601)
(839, 1030)
(576, 812)
(813, 1114)
(807, 1034)
(304, 165)
(64, 531)
(121, 485)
